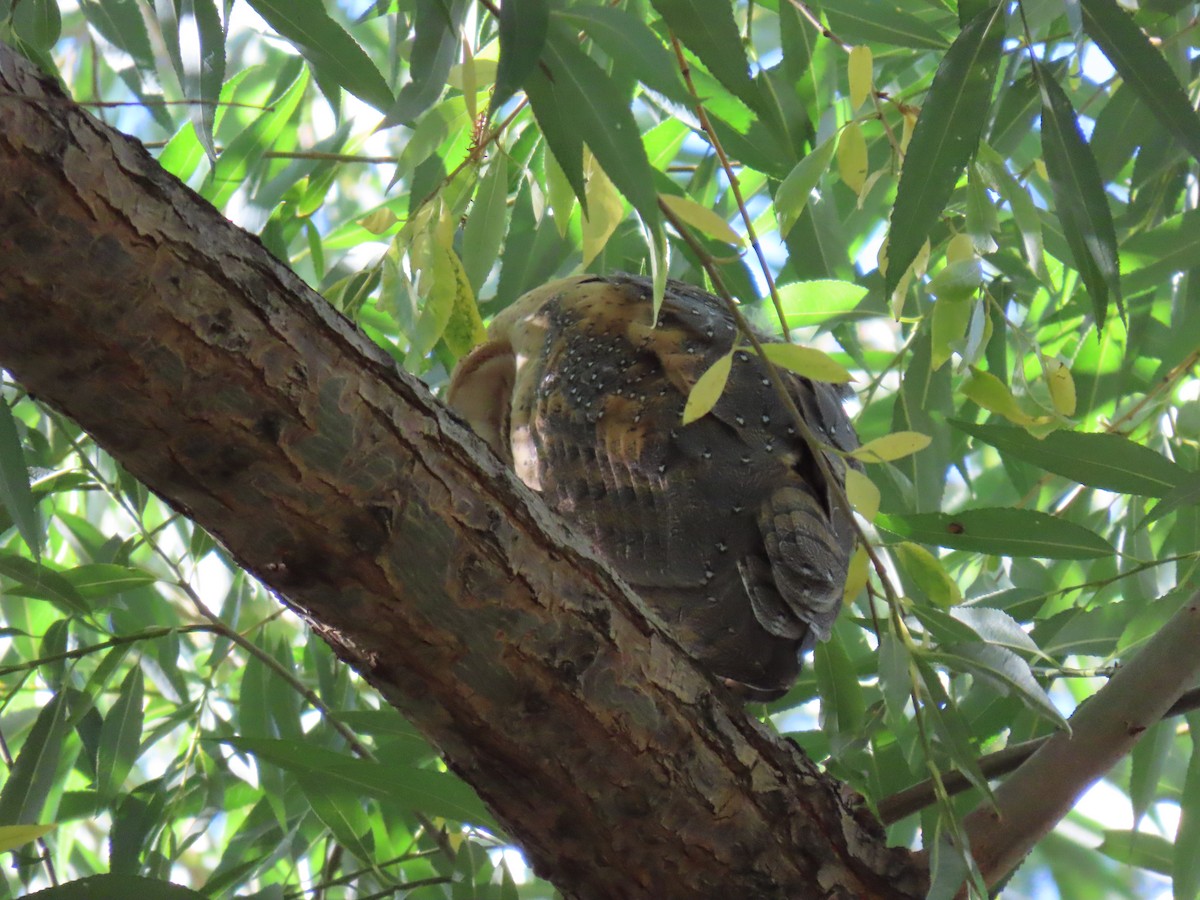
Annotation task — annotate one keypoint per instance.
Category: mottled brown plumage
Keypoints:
(725, 526)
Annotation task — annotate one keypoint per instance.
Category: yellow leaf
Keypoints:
(13, 836)
(1062, 387)
(379, 221)
(700, 217)
(605, 211)
(860, 75)
(807, 361)
(852, 157)
(856, 574)
(960, 247)
(707, 390)
(892, 447)
(993, 395)
(910, 125)
(927, 574)
(464, 327)
(863, 494)
(950, 320)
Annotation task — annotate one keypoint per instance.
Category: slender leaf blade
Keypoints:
(16, 496)
(1106, 461)
(1079, 199)
(523, 28)
(1001, 531)
(1143, 68)
(946, 135)
(328, 47)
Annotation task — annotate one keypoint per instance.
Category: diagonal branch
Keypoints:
(1103, 730)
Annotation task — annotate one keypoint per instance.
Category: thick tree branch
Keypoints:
(1103, 730)
(212, 373)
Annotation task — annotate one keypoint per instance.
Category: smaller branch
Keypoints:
(1103, 730)
(913, 799)
(734, 186)
(148, 634)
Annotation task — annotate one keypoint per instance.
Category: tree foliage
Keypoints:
(985, 213)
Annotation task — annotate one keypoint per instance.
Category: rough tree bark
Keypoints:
(213, 374)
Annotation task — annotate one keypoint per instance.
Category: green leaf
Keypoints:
(38, 23)
(484, 230)
(1153, 256)
(927, 574)
(946, 136)
(32, 775)
(1186, 494)
(1079, 199)
(328, 47)
(95, 581)
(842, 704)
(121, 23)
(120, 735)
(1143, 68)
(523, 29)
(1001, 531)
(15, 493)
(818, 302)
(36, 580)
(1146, 763)
(203, 67)
(1135, 848)
(709, 31)
(795, 190)
(996, 627)
(435, 793)
(249, 146)
(627, 39)
(576, 97)
(1005, 669)
(869, 21)
(1024, 212)
(1106, 461)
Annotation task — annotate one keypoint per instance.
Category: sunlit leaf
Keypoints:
(927, 573)
(863, 494)
(852, 157)
(859, 73)
(13, 836)
(702, 218)
(708, 389)
(807, 361)
(891, 447)
(793, 195)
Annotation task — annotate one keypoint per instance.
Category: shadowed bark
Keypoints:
(213, 374)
